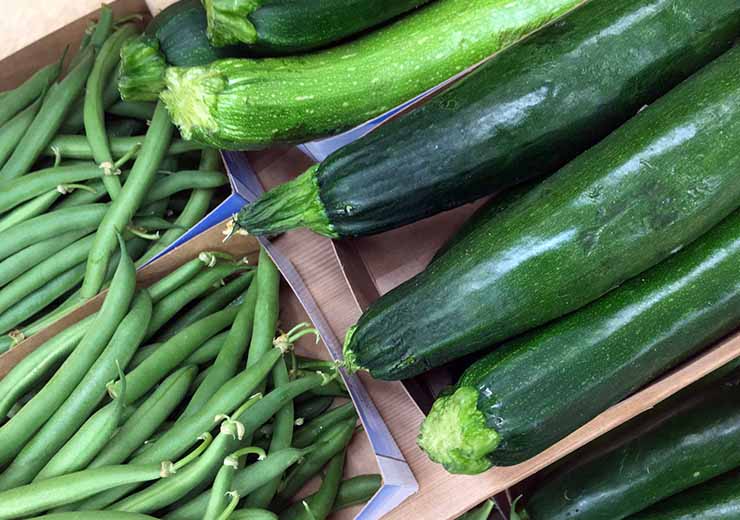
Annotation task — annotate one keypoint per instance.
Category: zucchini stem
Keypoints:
(291, 205)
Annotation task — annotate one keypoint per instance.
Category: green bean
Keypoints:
(353, 491)
(30, 209)
(93, 113)
(333, 441)
(319, 505)
(49, 225)
(208, 305)
(76, 115)
(125, 206)
(58, 491)
(48, 120)
(37, 364)
(84, 398)
(218, 499)
(177, 278)
(40, 298)
(308, 434)
(172, 303)
(89, 440)
(156, 367)
(16, 191)
(230, 355)
(225, 401)
(179, 438)
(16, 432)
(268, 307)
(45, 271)
(103, 27)
(15, 100)
(143, 353)
(253, 514)
(147, 418)
(282, 437)
(136, 109)
(334, 389)
(94, 515)
(165, 492)
(209, 351)
(194, 210)
(12, 132)
(312, 408)
(77, 147)
(186, 180)
(244, 482)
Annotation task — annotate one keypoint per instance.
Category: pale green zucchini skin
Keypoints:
(243, 104)
(650, 188)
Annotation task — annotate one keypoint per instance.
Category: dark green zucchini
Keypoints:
(499, 414)
(522, 115)
(647, 190)
(275, 27)
(684, 450)
(176, 36)
(717, 499)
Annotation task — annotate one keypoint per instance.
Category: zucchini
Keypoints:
(650, 188)
(686, 449)
(176, 36)
(499, 414)
(714, 500)
(238, 104)
(573, 82)
(275, 27)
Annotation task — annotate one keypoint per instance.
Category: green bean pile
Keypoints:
(179, 401)
(78, 166)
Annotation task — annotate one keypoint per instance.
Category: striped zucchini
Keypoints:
(239, 104)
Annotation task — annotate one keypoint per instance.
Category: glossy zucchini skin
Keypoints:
(718, 499)
(279, 27)
(687, 449)
(181, 32)
(594, 357)
(248, 104)
(522, 115)
(647, 190)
